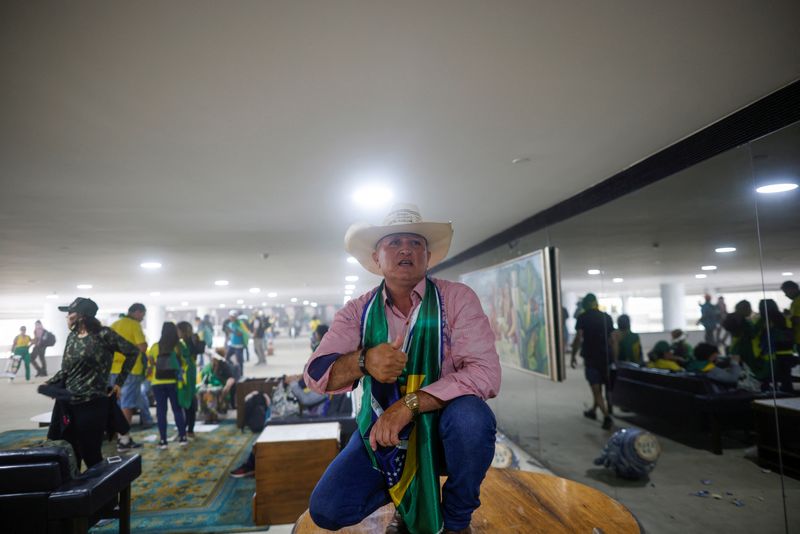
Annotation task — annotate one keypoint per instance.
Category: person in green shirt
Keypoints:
(21, 347)
(191, 346)
(626, 346)
(88, 355)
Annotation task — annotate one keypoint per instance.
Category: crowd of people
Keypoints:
(106, 369)
(743, 348)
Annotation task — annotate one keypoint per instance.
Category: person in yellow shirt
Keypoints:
(792, 291)
(20, 347)
(131, 398)
(661, 357)
(165, 364)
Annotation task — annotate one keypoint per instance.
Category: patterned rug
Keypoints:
(181, 489)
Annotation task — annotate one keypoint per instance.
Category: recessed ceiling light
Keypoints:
(372, 196)
(593, 272)
(255, 290)
(351, 259)
(263, 303)
(184, 303)
(155, 293)
(351, 278)
(701, 276)
(708, 268)
(314, 304)
(305, 303)
(150, 265)
(787, 273)
(348, 291)
(84, 286)
(725, 250)
(350, 286)
(618, 280)
(272, 294)
(776, 188)
(55, 296)
(520, 160)
(221, 283)
(293, 299)
(221, 305)
(239, 301)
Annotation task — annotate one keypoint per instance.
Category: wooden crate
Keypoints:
(290, 459)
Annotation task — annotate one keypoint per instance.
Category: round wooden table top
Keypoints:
(521, 502)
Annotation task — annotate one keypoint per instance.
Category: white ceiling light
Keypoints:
(725, 250)
(305, 303)
(221, 283)
(372, 196)
(593, 272)
(84, 286)
(314, 304)
(221, 305)
(293, 299)
(776, 188)
(350, 286)
(351, 278)
(272, 294)
(184, 303)
(240, 301)
(348, 291)
(701, 276)
(708, 268)
(787, 273)
(255, 290)
(55, 296)
(618, 280)
(150, 265)
(263, 303)
(155, 293)
(351, 259)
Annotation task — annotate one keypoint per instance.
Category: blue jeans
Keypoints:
(350, 489)
(238, 353)
(144, 404)
(163, 392)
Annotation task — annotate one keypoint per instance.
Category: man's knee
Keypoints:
(468, 418)
(323, 509)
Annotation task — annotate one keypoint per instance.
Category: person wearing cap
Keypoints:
(423, 352)
(705, 362)
(85, 366)
(680, 347)
(593, 336)
(130, 328)
(662, 357)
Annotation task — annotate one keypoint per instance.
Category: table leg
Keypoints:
(125, 510)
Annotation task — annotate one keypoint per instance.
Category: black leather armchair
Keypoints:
(39, 495)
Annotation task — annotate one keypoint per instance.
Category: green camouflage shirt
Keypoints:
(87, 363)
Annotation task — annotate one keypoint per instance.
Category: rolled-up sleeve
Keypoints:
(472, 366)
(341, 338)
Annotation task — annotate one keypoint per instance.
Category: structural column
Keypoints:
(153, 322)
(672, 308)
(56, 322)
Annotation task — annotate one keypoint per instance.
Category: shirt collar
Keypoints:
(417, 293)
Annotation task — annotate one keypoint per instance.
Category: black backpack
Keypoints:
(255, 412)
(48, 339)
(165, 367)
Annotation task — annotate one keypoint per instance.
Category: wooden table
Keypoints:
(290, 459)
(521, 502)
(788, 419)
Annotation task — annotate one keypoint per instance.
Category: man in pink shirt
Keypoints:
(424, 353)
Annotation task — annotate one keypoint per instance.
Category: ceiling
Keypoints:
(204, 134)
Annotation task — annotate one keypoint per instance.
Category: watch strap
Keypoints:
(362, 362)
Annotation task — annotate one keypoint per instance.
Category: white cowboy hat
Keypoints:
(362, 238)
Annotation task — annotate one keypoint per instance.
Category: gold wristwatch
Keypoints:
(412, 403)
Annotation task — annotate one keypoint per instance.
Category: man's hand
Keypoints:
(115, 391)
(385, 432)
(386, 361)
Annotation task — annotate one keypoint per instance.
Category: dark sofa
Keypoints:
(39, 495)
(685, 398)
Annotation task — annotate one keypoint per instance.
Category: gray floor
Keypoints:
(566, 443)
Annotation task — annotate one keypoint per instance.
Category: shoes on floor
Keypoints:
(607, 423)
(183, 441)
(590, 414)
(122, 447)
(162, 445)
(190, 435)
(242, 471)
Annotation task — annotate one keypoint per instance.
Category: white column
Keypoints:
(153, 321)
(56, 322)
(202, 311)
(672, 306)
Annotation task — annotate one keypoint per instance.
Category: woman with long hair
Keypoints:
(165, 364)
(88, 355)
(191, 346)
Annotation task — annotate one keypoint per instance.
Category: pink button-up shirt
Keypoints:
(471, 365)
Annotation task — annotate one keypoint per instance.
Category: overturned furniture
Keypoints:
(39, 494)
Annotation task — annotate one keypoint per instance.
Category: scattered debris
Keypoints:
(737, 503)
(716, 496)
(766, 471)
(706, 482)
(701, 493)
(729, 493)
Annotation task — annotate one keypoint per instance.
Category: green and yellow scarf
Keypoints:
(411, 469)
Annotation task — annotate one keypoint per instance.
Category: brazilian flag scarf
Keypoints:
(411, 469)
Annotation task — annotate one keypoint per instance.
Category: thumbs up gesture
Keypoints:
(386, 361)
